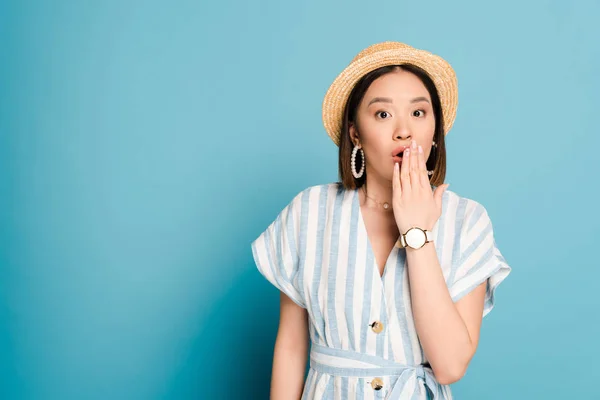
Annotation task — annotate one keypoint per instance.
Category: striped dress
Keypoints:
(364, 344)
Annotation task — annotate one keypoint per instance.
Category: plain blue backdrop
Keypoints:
(145, 144)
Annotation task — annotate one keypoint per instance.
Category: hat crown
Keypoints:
(381, 47)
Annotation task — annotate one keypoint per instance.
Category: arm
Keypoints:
(291, 348)
(448, 331)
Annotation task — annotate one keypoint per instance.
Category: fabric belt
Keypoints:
(348, 363)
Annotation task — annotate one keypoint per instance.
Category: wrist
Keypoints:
(404, 228)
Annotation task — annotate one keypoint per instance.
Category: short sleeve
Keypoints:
(275, 252)
(479, 260)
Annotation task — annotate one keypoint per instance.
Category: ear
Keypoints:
(353, 134)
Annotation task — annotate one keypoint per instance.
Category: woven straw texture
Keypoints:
(380, 55)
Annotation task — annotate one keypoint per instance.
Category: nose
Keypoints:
(402, 132)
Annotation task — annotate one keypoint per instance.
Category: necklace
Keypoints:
(385, 205)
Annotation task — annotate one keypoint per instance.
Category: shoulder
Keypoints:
(452, 198)
(461, 209)
(319, 201)
(309, 198)
(315, 191)
(323, 187)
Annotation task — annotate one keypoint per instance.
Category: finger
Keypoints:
(396, 187)
(423, 168)
(415, 180)
(405, 171)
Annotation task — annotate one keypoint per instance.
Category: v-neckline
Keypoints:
(370, 250)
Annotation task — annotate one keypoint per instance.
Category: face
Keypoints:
(394, 110)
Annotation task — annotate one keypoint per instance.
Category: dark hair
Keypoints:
(437, 157)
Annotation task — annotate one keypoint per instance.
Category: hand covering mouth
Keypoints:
(399, 151)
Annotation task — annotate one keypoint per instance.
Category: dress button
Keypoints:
(377, 326)
(377, 384)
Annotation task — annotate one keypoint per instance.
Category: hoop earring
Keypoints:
(433, 148)
(359, 174)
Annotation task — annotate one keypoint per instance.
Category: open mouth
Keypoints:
(398, 153)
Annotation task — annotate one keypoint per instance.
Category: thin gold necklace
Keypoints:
(385, 205)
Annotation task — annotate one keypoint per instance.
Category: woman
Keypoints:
(387, 272)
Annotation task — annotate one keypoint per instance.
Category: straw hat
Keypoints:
(379, 55)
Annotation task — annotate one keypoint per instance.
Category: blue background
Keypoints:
(145, 144)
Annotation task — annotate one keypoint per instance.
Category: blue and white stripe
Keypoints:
(317, 252)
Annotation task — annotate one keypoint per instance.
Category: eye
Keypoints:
(383, 114)
(419, 111)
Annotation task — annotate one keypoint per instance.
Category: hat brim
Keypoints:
(437, 68)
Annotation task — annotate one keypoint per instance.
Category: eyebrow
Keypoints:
(388, 100)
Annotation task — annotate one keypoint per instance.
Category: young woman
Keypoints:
(387, 272)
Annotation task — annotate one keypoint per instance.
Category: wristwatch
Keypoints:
(415, 238)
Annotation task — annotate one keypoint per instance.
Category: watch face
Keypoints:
(415, 238)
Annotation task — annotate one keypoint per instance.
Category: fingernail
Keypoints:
(420, 149)
(414, 144)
